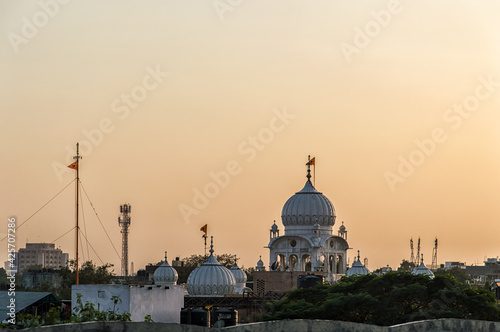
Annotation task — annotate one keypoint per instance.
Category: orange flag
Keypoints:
(313, 161)
(204, 229)
(74, 165)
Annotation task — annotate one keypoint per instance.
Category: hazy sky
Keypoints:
(399, 101)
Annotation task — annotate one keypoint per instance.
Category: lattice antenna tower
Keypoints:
(434, 264)
(412, 257)
(417, 263)
(124, 223)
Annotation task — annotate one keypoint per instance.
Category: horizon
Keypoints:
(172, 100)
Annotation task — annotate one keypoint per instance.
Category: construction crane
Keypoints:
(124, 223)
(435, 255)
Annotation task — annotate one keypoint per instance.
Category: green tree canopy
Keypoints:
(392, 298)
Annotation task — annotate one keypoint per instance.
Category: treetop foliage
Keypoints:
(389, 299)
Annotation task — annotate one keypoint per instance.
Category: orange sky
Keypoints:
(398, 101)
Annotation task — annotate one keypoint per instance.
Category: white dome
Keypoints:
(211, 279)
(423, 270)
(357, 268)
(165, 274)
(308, 207)
(240, 276)
(260, 263)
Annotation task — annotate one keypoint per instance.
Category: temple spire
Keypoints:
(211, 245)
(308, 168)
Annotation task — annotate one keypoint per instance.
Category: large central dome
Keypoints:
(308, 207)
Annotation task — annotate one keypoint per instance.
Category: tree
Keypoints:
(196, 260)
(459, 274)
(3, 277)
(392, 298)
(406, 266)
(89, 273)
(193, 261)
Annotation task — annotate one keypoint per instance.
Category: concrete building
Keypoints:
(308, 242)
(482, 274)
(35, 277)
(44, 255)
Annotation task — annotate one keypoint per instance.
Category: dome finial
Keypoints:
(165, 255)
(308, 168)
(358, 256)
(212, 245)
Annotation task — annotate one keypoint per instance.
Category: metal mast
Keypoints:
(418, 253)
(434, 264)
(76, 166)
(124, 223)
(412, 257)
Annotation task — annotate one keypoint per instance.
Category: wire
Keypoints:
(84, 226)
(72, 228)
(24, 222)
(95, 252)
(100, 221)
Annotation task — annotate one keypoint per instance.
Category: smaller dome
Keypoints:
(342, 228)
(165, 274)
(357, 268)
(421, 269)
(260, 265)
(240, 276)
(211, 279)
(274, 227)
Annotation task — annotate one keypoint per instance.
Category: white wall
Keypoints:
(163, 303)
(90, 293)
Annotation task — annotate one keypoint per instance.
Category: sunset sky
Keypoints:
(399, 101)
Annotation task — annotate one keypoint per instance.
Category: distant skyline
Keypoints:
(205, 112)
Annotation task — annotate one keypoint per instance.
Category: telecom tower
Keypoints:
(434, 264)
(412, 257)
(418, 253)
(124, 223)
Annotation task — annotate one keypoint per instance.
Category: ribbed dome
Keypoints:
(211, 279)
(165, 275)
(423, 270)
(357, 268)
(308, 207)
(240, 276)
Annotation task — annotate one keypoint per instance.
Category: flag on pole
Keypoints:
(74, 165)
(313, 161)
(204, 229)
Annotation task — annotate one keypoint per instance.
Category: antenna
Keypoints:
(435, 255)
(412, 257)
(418, 252)
(124, 223)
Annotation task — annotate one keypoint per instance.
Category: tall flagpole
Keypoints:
(77, 157)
